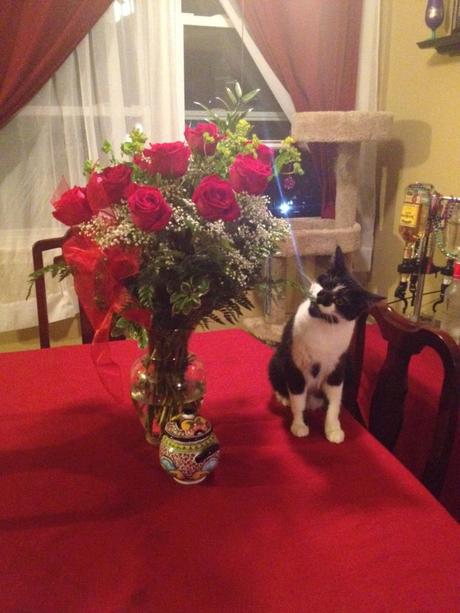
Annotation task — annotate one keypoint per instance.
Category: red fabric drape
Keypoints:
(36, 37)
(312, 46)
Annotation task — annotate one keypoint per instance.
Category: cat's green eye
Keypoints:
(340, 301)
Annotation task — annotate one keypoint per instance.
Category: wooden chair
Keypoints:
(405, 339)
(38, 249)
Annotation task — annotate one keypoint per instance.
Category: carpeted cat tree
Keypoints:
(314, 236)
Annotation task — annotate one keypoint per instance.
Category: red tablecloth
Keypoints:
(90, 522)
(421, 405)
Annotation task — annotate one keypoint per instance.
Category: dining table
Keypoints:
(90, 522)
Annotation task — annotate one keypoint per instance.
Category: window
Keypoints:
(214, 56)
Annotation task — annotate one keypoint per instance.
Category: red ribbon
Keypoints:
(98, 276)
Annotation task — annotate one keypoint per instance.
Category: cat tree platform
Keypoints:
(314, 236)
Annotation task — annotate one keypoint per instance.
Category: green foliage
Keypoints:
(135, 143)
(58, 269)
(146, 294)
(108, 150)
(188, 297)
(132, 146)
(89, 167)
(236, 107)
(288, 158)
(238, 141)
(125, 328)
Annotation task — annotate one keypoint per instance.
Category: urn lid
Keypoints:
(188, 427)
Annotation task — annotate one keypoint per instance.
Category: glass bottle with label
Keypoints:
(415, 211)
(452, 231)
(451, 320)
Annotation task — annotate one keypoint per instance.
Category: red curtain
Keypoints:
(312, 46)
(36, 37)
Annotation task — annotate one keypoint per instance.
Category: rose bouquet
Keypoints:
(170, 236)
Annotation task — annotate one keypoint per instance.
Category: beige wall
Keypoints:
(422, 89)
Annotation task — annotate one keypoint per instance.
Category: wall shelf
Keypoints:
(445, 44)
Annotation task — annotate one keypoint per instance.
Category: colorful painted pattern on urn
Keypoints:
(189, 449)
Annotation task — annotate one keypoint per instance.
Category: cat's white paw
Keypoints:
(335, 436)
(299, 429)
(282, 400)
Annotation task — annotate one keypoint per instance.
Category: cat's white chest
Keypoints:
(317, 341)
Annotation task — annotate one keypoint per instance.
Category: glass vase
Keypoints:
(166, 380)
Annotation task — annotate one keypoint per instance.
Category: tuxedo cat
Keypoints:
(308, 367)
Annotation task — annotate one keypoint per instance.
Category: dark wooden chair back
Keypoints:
(38, 250)
(405, 339)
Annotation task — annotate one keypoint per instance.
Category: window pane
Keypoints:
(202, 7)
(216, 57)
(296, 195)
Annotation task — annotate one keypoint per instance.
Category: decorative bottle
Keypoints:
(189, 449)
(451, 319)
(414, 211)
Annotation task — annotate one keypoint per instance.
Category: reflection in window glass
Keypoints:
(203, 7)
(216, 57)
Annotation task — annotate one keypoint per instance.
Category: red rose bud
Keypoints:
(247, 174)
(195, 138)
(214, 199)
(148, 209)
(72, 207)
(167, 159)
(116, 180)
(97, 196)
(265, 154)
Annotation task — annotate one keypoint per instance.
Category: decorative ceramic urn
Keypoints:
(189, 449)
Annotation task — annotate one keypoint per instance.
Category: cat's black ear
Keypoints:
(338, 264)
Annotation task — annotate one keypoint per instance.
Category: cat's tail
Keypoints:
(277, 378)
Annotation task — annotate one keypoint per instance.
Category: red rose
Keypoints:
(108, 187)
(214, 199)
(72, 207)
(265, 154)
(167, 159)
(116, 180)
(97, 195)
(247, 174)
(148, 209)
(195, 138)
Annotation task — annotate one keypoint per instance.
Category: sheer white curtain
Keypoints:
(128, 70)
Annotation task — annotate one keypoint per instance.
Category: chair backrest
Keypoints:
(38, 250)
(386, 408)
